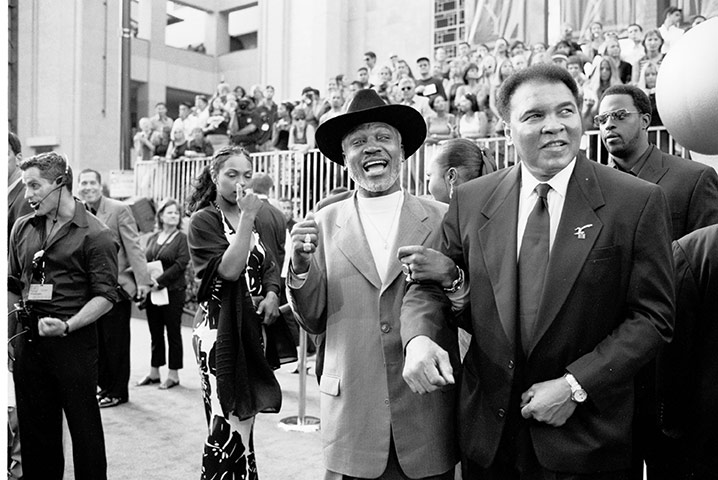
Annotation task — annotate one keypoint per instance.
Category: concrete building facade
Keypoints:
(68, 60)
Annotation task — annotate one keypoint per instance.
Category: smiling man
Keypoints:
(113, 328)
(571, 293)
(624, 115)
(345, 280)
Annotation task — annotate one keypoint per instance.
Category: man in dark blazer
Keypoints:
(688, 366)
(113, 328)
(692, 192)
(547, 387)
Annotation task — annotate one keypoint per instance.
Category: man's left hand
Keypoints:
(548, 402)
(270, 308)
(51, 327)
(427, 366)
(427, 264)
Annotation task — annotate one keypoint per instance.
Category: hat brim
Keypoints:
(409, 122)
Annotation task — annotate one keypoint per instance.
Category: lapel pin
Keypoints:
(580, 233)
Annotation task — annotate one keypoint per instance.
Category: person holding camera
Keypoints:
(245, 125)
(62, 277)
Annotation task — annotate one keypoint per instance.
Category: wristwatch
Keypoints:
(67, 329)
(456, 284)
(578, 394)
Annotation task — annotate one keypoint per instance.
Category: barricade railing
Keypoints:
(308, 177)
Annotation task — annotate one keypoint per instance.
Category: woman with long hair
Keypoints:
(454, 82)
(457, 161)
(611, 51)
(652, 44)
(503, 70)
(473, 123)
(233, 266)
(168, 245)
(440, 125)
(473, 84)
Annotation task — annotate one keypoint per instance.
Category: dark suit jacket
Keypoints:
(17, 205)
(607, 307)
(174, 257)
(688, 366)
(271, 224)
(691, 188)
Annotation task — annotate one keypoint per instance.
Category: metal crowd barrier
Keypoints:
(306, 178)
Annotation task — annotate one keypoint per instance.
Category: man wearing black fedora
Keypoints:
(346, 281)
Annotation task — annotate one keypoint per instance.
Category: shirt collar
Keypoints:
(558, 182)
(638, 166)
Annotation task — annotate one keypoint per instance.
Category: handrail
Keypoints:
(306, 178)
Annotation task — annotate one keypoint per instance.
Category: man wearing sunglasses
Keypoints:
(62, 271)
(692, 192)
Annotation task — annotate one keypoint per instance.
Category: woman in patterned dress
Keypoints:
(233, 266)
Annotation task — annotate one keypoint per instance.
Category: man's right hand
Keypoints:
(305, 236)
(427, 366)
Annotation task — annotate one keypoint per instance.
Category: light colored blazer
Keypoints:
(118, 217)
(364, 399)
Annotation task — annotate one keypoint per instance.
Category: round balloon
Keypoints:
(687, 89)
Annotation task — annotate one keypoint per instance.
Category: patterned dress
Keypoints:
(229, 448)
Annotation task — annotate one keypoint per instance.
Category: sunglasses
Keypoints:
(618, 115)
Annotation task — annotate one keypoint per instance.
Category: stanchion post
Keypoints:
(301, 422)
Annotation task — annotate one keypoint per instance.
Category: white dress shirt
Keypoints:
(556, 198)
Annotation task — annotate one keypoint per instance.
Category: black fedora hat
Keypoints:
(367, 106)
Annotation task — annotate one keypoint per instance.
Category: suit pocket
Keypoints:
(603, 253)
(329, 385)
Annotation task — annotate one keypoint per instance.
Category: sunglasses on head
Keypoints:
(618, 115)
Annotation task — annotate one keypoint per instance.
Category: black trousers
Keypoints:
(52, 375)
(169, 317)
(113, 330)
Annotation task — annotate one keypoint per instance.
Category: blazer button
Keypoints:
(386, 401)
(385, 327)
(502, 413)
(511, 364)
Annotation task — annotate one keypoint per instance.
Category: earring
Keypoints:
(451, 189)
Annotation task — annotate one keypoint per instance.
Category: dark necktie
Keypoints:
(533, 260)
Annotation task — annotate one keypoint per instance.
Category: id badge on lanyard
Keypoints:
(39, 291)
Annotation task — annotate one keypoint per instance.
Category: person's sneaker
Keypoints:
(106, 402)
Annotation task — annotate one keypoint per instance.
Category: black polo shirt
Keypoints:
(80, 262)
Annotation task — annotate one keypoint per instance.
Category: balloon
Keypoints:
(687, 89)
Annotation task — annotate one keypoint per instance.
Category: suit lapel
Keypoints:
(498, 244)
(412, 230)
(570, 248)
(351, 240)
(653, 170)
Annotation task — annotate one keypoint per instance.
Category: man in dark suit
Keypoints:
(692, 192)
(564, 310)
(688, 366)
(624, 114)
(17, 205)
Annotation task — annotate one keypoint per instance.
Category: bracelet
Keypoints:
(67, 329)
(456, 284)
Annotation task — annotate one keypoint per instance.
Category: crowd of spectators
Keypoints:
(456, 96)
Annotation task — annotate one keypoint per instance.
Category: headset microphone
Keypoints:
(36, 205)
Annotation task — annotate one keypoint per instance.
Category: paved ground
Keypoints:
(159, 434)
